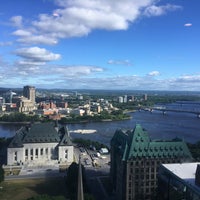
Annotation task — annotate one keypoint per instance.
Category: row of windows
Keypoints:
(147, 162)
(142, 170)
(41, 151)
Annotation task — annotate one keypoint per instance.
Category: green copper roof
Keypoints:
(41, 133)
(44, 132)
(136, 143)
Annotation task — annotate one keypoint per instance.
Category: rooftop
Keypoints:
(40, 133)
(185, 171)
(137, 143)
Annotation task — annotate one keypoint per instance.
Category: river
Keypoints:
(173, 124)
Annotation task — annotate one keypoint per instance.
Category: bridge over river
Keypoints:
(164, 110)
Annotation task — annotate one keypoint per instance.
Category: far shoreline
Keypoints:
(70, 122)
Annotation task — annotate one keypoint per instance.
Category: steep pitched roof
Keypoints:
(43, 132)
(65, 139)
(17, 141)
(40, 133)
(136, 143)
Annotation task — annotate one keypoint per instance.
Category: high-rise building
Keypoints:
(125, 98)
(135, 160)
(120, 99)
(29, 93)
(145, 97)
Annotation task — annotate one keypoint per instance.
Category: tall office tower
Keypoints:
(145, 97)
(135, 160)
(29, 92)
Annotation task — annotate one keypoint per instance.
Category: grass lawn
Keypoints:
(23, 189)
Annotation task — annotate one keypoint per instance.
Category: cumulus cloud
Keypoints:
(120, 62)
(27, 37)
(154, 73)
(22, 33)
(77, 18)
(37, 54)
(38, 39)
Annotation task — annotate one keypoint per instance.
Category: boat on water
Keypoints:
(84, 131)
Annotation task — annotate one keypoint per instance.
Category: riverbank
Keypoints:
(91, 120)
(68, 121)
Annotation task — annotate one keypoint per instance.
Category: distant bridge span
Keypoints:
(165, 110)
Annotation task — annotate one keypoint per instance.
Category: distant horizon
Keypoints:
(117, 90)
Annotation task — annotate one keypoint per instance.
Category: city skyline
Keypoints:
(93, 44)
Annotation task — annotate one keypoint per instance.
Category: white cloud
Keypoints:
(2, 44)
(154, 10)
(17, 21)
(38, 39)
(120, 62)
(77, 18)
(82, 77)
(187, 24)
(154, 73)
(77, 71)
(189, 78)
(37, 54)
(29, 63)
(22, 33)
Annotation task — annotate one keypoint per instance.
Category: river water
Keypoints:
(173, 124)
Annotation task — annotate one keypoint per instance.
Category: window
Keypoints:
(26, 152)
(31, 154)
(66, 154)
(15, 156)
(36, 153)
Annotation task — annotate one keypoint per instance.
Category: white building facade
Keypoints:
(40, 144)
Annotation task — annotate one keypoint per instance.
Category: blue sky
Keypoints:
(100, 44)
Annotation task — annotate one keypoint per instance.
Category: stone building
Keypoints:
(135, 160)
(41, 144)
(29, 93)
(26, 103)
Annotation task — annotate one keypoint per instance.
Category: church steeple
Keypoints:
(80, 195)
